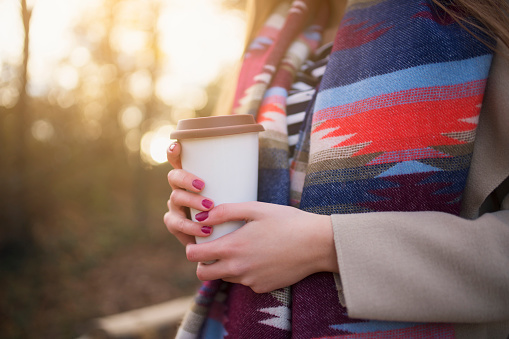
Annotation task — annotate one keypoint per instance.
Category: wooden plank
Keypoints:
(148, 319)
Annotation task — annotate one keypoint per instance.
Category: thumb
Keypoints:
(173, 155)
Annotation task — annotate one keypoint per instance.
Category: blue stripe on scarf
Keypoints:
(416, 77)
(213, 329)
(434, 43)
(367, 190)
(336, 193)
(374, 326)
(280, 91)
(274, 186)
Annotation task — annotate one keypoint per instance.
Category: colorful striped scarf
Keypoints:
(391, 128)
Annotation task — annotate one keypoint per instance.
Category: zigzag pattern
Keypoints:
(375, 138)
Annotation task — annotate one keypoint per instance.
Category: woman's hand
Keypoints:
(277, 247)
(185, 187)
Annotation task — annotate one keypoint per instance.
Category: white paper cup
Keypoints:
(223, 151)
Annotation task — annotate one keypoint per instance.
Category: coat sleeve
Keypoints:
(424, 266)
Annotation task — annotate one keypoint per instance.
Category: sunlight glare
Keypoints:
(175, 93)
(50, 38)
(80, 56)
(178, 113)
(95, 32)
(92, 81)
(131, 117)
(155, 143)
(128, 40)
(108, 73)
(194, 42)
(199, 38)
(140, 84)
(12, 43)
(67, 77)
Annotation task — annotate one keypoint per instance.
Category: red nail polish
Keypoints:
(198, 184)
(206, 229)
(202, 216)
(172, 147)
(207, 203)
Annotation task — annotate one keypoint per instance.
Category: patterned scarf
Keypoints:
(391, 128)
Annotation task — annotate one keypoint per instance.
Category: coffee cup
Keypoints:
(223, 152)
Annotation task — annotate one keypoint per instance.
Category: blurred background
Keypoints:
(89, 93)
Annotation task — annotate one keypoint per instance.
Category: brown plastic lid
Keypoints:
(216, 126)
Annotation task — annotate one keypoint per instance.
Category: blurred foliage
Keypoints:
(82, 202)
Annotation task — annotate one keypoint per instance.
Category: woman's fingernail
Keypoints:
(206, 229)
(172, 147)
(207, 203)
(198, 184)
(202, 216)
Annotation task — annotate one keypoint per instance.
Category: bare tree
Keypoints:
(18, 231)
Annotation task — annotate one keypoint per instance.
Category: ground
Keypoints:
(92, 257)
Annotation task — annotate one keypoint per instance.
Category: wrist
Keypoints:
(326, 258)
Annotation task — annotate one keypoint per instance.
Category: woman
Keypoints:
(399, 194)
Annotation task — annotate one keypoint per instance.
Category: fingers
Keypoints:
(177, 222)
(228, 269)
(176, 219)
(173, 155)
(184, 228)
(203, 252)
(246, 211)
(218, 270)
(178, 178)
(223, 268)
(180, 198)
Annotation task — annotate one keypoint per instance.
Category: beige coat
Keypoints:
(432, 266)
